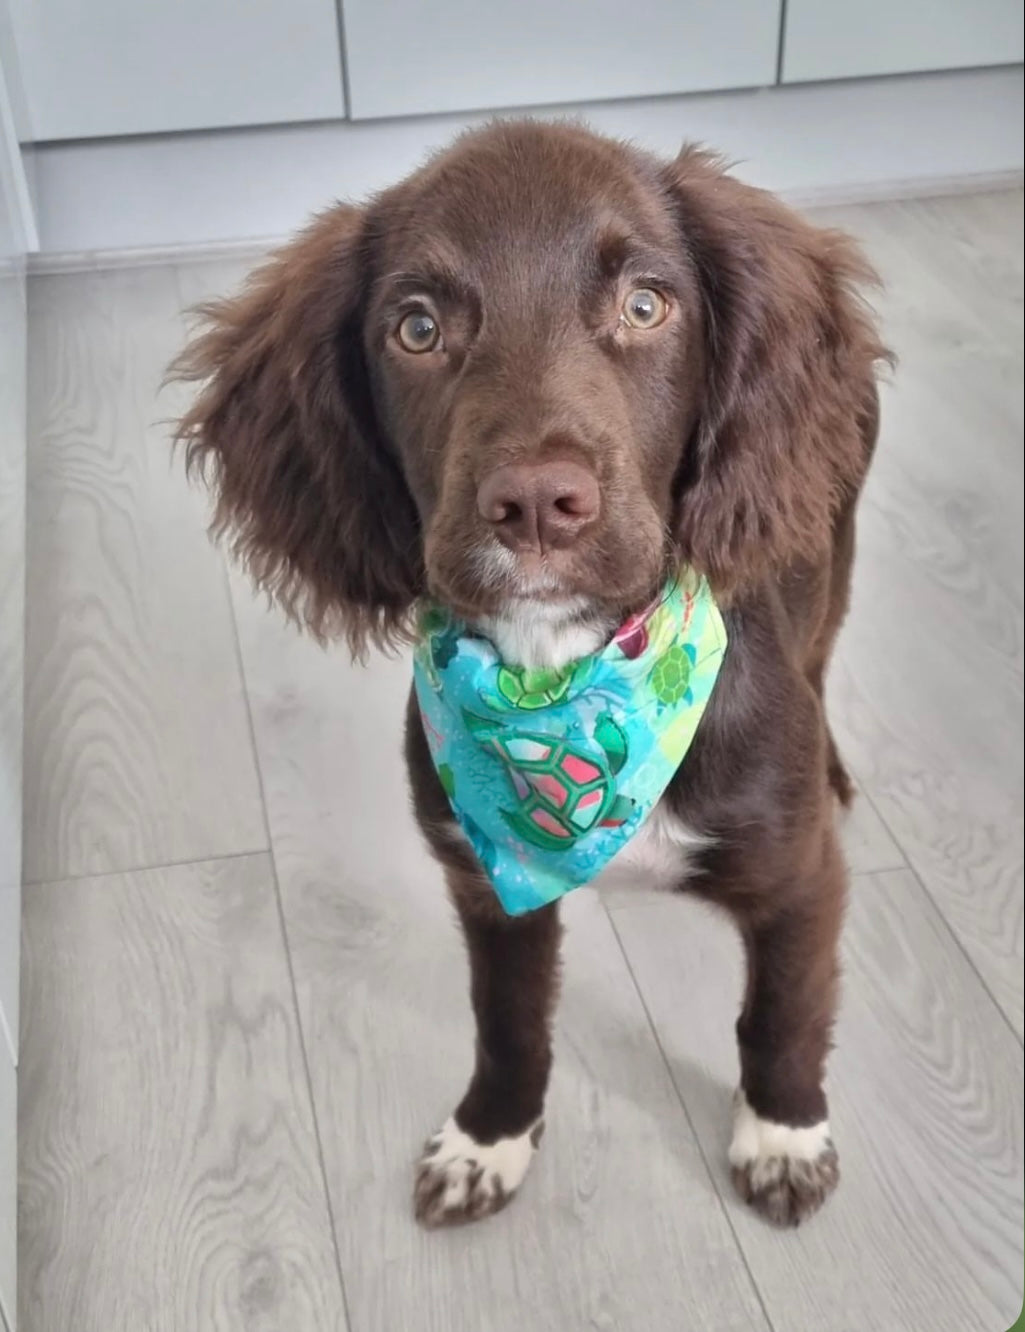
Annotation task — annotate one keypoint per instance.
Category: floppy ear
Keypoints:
(787, 426)
(315, 506)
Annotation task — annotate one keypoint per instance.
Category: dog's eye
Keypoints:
(644, 308)
(418, 332)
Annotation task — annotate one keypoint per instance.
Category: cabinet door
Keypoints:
(15, 224)
(8, 1188)
(106, 67)
(405, 57)
(839, 39)
(14, 239)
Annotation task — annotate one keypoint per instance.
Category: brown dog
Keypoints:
(531, 380)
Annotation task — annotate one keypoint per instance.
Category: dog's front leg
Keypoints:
(782, 1155)
(476, 1162)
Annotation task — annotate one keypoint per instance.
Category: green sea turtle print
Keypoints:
(670, 675)
(526, 688)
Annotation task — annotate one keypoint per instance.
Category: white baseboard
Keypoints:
(143, 256)
(923, 187)
(105, 201)
(908, 187)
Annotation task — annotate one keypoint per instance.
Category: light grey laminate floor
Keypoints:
(244, 995)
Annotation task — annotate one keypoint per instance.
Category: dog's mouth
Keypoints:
(543, 609)
(522, 575)
(492, 580)
(546, 605)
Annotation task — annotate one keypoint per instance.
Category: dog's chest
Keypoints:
(659, 856)
(662, 853)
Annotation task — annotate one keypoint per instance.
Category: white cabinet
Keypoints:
(104, 67)
(405, 57)
(15, 228)
(120, 67)
(839, 39)
(8, 1192)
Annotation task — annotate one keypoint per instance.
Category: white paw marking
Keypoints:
(764, 1148)
(460, 1179)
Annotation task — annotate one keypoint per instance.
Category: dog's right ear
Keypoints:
(792, 354)
(314, 504)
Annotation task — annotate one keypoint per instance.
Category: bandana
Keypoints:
(551, 772)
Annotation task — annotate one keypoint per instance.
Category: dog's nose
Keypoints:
(542, 505)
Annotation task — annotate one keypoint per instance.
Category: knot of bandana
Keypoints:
(551, 772)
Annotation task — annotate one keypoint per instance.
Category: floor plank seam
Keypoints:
(690, 1123)
(941, 917)
(144, 868)
(283, 928)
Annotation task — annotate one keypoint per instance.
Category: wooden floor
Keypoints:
(244, 996)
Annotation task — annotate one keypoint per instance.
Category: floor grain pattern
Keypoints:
(139, 750)
(925, 1105)
(170, 1180)
(927, 689)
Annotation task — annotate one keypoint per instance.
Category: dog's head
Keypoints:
(546, 368)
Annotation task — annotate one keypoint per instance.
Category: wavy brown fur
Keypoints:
(313, 504)
(792, 351)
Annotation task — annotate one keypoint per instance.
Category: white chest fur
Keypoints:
(659, 856)
(544, 633)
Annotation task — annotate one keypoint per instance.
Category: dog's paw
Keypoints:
(786, 1174)
(459, 1179)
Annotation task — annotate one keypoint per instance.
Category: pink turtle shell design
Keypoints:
(632, 636)
(564, 781)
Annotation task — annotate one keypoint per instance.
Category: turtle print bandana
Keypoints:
(551, 772)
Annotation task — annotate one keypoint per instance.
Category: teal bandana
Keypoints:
(551, 772)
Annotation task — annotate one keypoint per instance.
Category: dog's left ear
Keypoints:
(786, 429)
